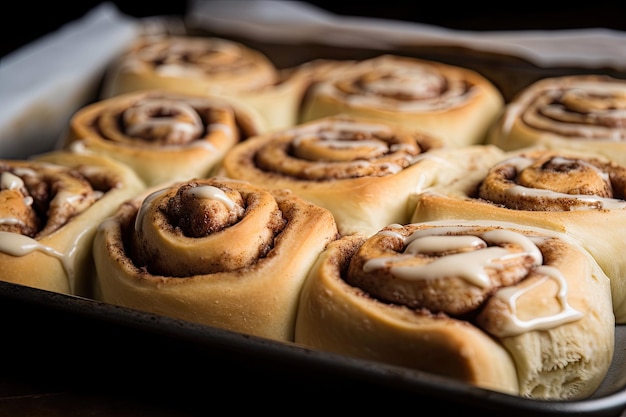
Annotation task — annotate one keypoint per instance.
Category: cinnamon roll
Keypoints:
(579, 112)
(454, 104)
(207, 66)
(214, 251)
(50, 207)
(362, 170)
(510, 308)
(163, 136)
(573, 192)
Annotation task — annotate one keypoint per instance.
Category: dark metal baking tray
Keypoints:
(83, 343)
(89, 345)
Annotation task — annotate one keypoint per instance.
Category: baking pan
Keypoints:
(85, 344)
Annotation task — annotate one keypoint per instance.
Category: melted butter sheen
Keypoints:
(471, 265)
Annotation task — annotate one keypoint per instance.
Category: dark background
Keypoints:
(29, 20)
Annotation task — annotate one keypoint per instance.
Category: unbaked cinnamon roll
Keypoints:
(580, 112)
(572, 192)
(207, 66)
(214, 251)
(50, 207)
(362, 170)
(510, 308)
(452, 103)
(163, 136)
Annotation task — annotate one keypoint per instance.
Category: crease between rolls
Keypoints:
(594, 218)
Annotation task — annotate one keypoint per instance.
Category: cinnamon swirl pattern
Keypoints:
(215, 251)
(207, 66)
(164, 137)
(50, 207)
(572, 192)
(362, 170)
(581, 112)
(505, 307)
(451, 103)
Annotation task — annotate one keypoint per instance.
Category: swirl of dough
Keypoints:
(50, 206)
(162, 120)
(164, 136)
(215, 251)
(404, 88)
(451, 103)
(39, 199)
(586, 110)
(421, 269)
(581, 112)
(182, 230)
(360, 169)
(335, 149)
(549, 181)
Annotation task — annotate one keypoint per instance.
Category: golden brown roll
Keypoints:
(214, 251)
(50, 207)
(510, 308)
(579, 112)
(362, 170)
(572, 192)
(163, 136)
(452, 103)
(207, 66)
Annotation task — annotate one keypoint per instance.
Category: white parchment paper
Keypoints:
(297, 22)
(45, 82)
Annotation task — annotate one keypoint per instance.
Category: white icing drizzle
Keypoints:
(471, 266)
(16, 244)
(145, 205)
(513, 325)
(79, 146)
(9, 181)
(213, 193)
(594, 201)
(139, 118)
(203, 191)
(520, 163)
